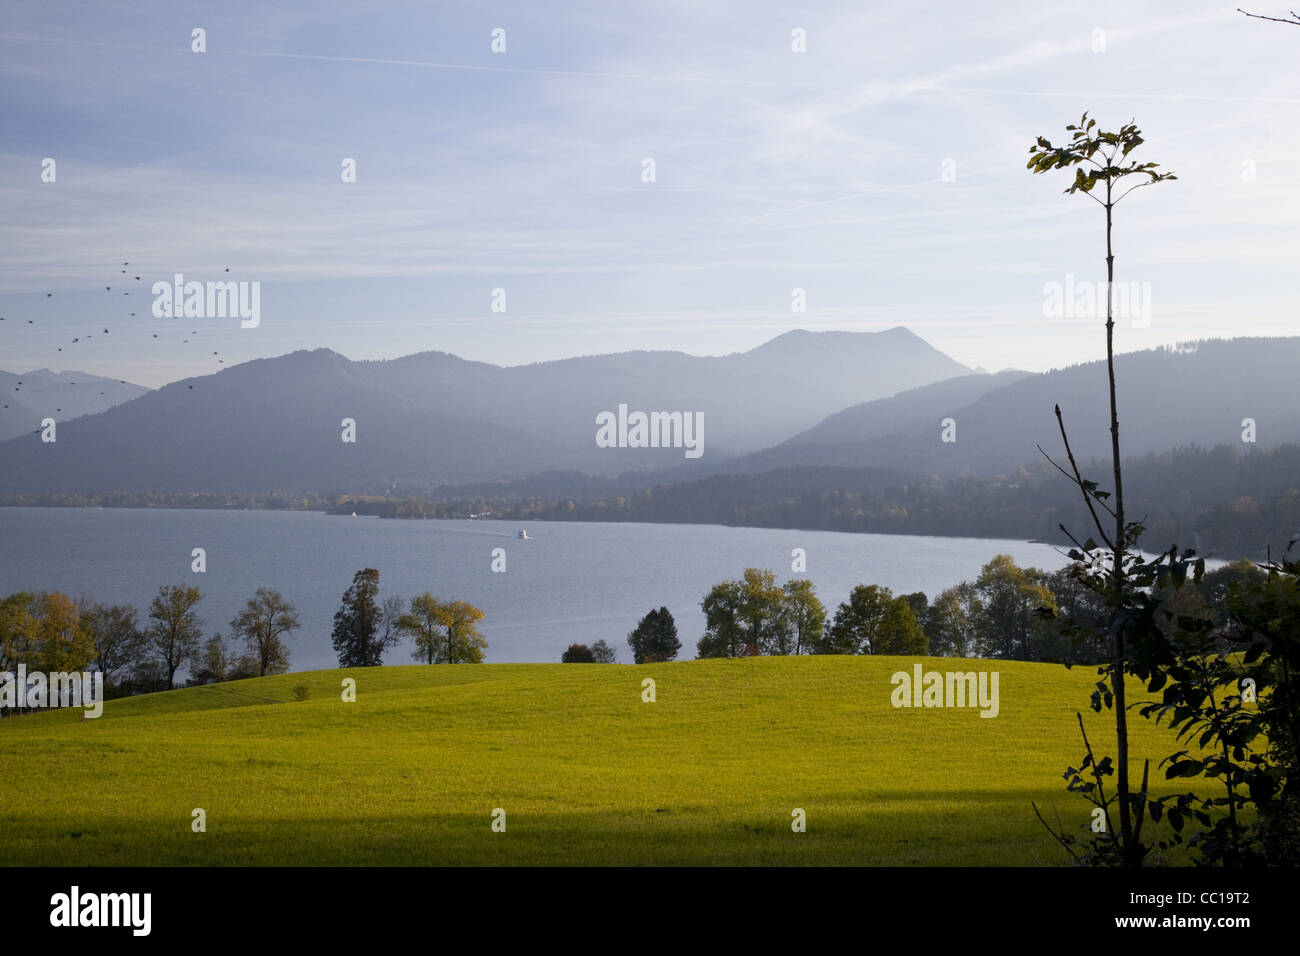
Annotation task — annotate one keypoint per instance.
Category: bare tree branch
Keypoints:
(1055, 836)
(1078, 480)
(1131, 188)
(1294, 22)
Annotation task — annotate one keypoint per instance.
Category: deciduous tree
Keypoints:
(422, 624)
(578, 654)
(262, 625)
(175, 633)
(856, 628)
(462, 640)
(1099, 158)
(119, 642)
(805, 615)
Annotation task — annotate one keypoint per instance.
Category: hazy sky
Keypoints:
(522, 170)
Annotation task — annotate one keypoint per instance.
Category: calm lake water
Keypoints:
(572, 582)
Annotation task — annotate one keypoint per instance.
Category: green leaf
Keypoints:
(1187, 768)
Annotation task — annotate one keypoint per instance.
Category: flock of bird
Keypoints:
(108, 290)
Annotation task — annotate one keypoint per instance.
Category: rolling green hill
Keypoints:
(585, 770)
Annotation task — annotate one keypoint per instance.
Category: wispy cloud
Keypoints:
(774, 169)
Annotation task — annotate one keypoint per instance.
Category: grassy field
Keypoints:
(586, 772)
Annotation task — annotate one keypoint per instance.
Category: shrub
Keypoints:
(578, 654)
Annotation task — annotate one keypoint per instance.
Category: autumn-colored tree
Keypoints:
(746, 617)
(423, 624)
(805, 616)
(62, 643)
(1008, 622)
(443, 631)
(17, 630)
(461, 639)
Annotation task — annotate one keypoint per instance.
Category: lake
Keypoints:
(571, 582)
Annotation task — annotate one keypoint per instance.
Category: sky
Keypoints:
(880, 170)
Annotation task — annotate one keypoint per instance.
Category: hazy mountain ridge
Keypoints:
(58, 395)
(266, 424)
(1168, 398)
(749, 400)
(432, 418)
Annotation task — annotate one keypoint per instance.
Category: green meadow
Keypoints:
(585, 770)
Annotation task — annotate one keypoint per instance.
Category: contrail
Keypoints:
(891, 89)
(423, 64)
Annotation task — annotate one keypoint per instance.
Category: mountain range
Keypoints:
(433, 418)
(1204, 394)
(845, 399)
(29, 397)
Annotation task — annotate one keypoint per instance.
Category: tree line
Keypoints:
(1006, 613)
(48, 631)
(443, 632)
(1224, 499)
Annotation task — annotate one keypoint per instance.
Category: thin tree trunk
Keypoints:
(1121, 712)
